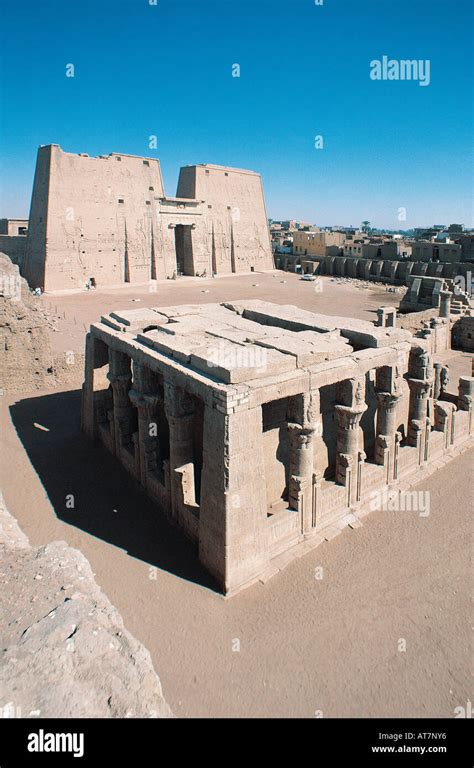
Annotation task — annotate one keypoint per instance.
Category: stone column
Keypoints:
(386, 430)
(466, 397)
(149, 440)
(301, 473)
(122, 411)
(419, 393)
(95, 366)
(420, 381)
(444, 304)
(347, 446)
(387, 412)
(146, 402)
(120, 377)
(437, 380)
(418, 421)
(179, 409)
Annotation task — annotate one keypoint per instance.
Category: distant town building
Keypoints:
(466, 241)
(424, 250)
(372, 248)
(426, 233)
(317, 243)
(282, 242)
(305, 225)
(13, 227)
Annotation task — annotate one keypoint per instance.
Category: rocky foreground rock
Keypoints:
(64, 651)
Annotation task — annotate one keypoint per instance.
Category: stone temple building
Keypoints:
(257, 427)
(106, 220)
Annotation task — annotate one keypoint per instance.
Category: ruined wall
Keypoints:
(463, 334)
(413, 321)
(91, 217)
(26, 361)
(385, 270)
(236, 219)
(275, 449)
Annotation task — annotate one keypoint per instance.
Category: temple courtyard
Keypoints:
(373, 622)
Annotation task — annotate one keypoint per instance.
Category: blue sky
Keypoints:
(166, 70)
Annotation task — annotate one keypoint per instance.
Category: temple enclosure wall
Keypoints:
(378, 270)
(106, 221)
(258, 428)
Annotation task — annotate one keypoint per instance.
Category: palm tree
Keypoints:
(365, 226)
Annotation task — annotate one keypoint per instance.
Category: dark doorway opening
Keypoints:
(184, 249)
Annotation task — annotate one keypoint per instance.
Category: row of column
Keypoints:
(305, 483)
(141, 393)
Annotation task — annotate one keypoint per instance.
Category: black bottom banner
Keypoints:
(30, 742)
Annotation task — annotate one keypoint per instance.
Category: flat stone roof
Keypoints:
(242, 341)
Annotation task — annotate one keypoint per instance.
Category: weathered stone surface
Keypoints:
(126, 230)
(26, 359)
(270, 422)
(64, 649)
(294, 319)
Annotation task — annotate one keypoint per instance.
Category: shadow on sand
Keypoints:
(108, 502)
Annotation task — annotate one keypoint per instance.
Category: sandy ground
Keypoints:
(78, 310)
(297, 645)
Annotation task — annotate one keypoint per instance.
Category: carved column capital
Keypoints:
(349, 417)
(388, 400)
(120, 383)
(301, 435)
(419, 388)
